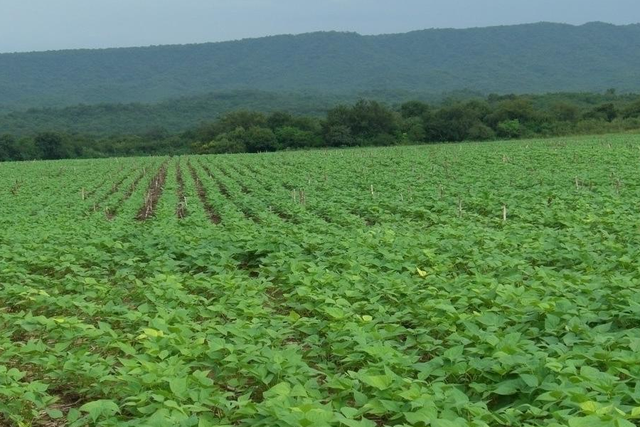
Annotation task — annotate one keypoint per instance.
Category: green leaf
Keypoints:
(73, 415)
(590, 421)
(356, 423)
(349, 412)
(551, 323)
(530, 380)
(334, 312)
(380, 382)
(444, 423)
(100, 409)
(506, 388)
(282, 389)
(178, 386)
(454, 353)
(424, 415)
(635, 412)
(54, 414)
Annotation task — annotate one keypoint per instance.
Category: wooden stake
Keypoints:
(504, 213)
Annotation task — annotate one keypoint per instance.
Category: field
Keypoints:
(489, 284)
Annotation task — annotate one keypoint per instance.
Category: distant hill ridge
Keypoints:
(529, 58)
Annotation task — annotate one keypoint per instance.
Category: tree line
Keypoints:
(363, 123)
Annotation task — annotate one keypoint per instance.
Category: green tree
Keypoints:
(228, 123)
(50, 145)
(607, 112)
(365, 120)
(414, 109)
(279, 119)
(480, 132)
(222, 145)
(339, 136)
(258, 139)
(564, 112)
(292, 137)
(454, 122)
(8, 148)
(632, 110)
(509, 129)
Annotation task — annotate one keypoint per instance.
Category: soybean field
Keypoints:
(454, 285)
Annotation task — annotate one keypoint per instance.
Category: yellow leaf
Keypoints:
(422, 273)
(152, 332)
(589, 407)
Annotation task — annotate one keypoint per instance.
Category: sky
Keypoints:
(28, 25)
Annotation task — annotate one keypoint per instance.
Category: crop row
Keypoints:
(462, 285)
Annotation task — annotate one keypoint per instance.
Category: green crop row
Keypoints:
(459, 285)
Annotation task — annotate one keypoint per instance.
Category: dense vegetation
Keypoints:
(364, 123)
(521, 59)
(181, 114)
(467, 285)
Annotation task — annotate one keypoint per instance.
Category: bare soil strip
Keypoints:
(156, 186)
(223, 189)
(16, 187)
(251, 173)
(111, 213)
(114, 189)
(243, 187)
(181, 209)
(95, 189)
(102, 184)
(225, 192)
(202, 194)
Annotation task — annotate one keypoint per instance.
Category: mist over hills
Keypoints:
(530, 58)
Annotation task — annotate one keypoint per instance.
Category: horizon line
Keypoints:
(308, 33)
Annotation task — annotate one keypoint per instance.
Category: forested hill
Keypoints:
(528, 58)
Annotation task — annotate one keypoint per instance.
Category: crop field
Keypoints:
(488, 284)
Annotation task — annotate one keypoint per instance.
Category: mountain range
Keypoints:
(529, 58)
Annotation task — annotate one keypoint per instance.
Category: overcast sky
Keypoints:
(27, 25)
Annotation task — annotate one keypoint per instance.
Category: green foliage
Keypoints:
(51, 145)
(223, 144)
(339, 136)
(549, 57)
(509, 129)
(365, 120)
(293, 138)
(364, 123)
(9, 148)
(606, 112)
(258, 139)
(366, 287)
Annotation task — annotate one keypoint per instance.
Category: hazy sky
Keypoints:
(27, 25)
